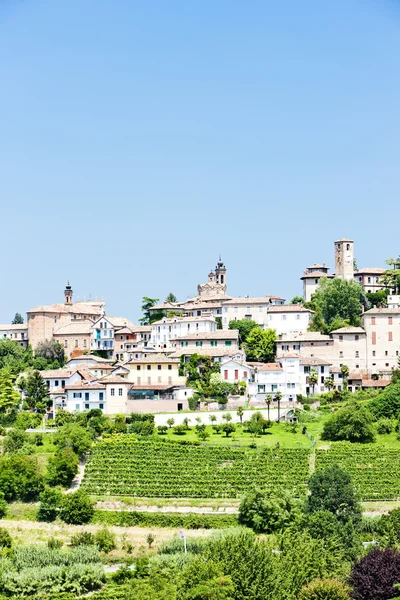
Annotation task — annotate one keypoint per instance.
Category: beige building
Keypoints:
(369, 279)
(382, 326)
(311, 278)
(350, 345)
(44, 321)
(74, 337)
(219, 345)
(155, 370)
(16, 333)
(253, 309)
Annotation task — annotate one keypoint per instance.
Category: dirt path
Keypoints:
(77, 480)
(198, 510)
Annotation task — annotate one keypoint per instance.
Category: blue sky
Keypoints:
(140, 140)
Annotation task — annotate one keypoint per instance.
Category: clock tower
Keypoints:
(344, 259)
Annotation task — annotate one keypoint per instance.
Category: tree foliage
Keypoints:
(62, 467)
(150, 316)
(51, 351)
(9, 397)
(267, 511)
(18, 319)
(387, 402)
(373, 577)
(20, 477)
(260, 345)
(244, 326)
(75, 437)
(391, 277)
(325, 589)
(297, 300)
(337, 302)
(36, 391)
(353, 423)
(77, 508)
(332, 490)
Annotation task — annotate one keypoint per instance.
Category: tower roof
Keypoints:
(344, 240)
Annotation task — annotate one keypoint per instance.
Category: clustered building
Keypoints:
(138, 370)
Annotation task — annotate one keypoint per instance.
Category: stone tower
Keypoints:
(344, 259)
(68, 294)
(220, 273)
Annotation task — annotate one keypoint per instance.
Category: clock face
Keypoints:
(347, 257)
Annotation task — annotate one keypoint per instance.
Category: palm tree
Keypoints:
(240, 413)
(278, 398)
(329, 383)
(313, 379)
(268, 400)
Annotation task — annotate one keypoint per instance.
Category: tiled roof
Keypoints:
(75, 328)
(270, 367)
(382, 311)
(102, 367)
(370, 271)
(211, 351)
(121, 322)
(288, 308)
(318, 266)
(289, 355)
(172, 320)
(53, 308)
(315, 275)
(349, 330)
(85, 385)
(154, 386)
(249, 301)
(219, 334)
(202, 306)
(308, 336)
(314, 362)
(58, 373)
(91, 357)
(114, 379)
(18, 327)
(375, 383)
(156, 359)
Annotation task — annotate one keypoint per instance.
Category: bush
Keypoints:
(50, 503)
(83, 538)
(384, 426)
(324, 589)
(27, 420)
(20, 477)
(386, 403)
(5, 538)
(174, 520)
(54, 544)
(353, 423)
(76, 508)
(162, 429)
(62, 467)
(373, 577)
(180, 429)
(105, 540)
(15, 440)
(75, 437)
(3, 506)
(267, 512)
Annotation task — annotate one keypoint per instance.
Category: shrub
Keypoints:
(180, 429)
(266, 512)
(62, 467)
(105, 540)
(373, 577)
(76, 508)
(384, 426)
(75, 437)
(353, 423)
(20, 477)
(162, 429)
(83, 538)
(5, 538)
(54, 544)
(324, 589)
(15, 440)
(50, 503)
(3, 506)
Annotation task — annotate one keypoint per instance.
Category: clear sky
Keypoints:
(140, 140)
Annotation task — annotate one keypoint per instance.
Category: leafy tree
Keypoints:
(337, 299)
(14, 357)
(9, 397)
(260, 345)
(20, 477)
(325, 589)
(244, 326)
(16, 440)
(52, 351)
(170, 298)
(313, 379)
(18, 319)
(50, 503)
(162, 429)
(228, 428)
(387, 402)
(374, 576)
(170, 422)
(297, 300)
(344, 370)
(332, 490)
(62, 467)
(324, 525)
(240, 413)
(77, 508)
(329, 383)
(379, 298)
(5, 538)
(391, 277)
(317, 322)
(150, 316)
(353, 423)
(75, 437)
(267, 512)
(218, 321)
(36, 391)
(384, 426)
(227, 417)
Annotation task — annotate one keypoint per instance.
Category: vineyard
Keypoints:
(122, 465)
(375, 470)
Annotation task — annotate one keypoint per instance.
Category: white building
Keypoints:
(253, 309)
(289, 318)
(311, 278)
(16, 333)
(102, 336)
(167, 330)
(234, 371)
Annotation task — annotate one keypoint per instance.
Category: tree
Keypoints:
(268, 402)
(18, 319)
(297, 300)
(329, 383)
(352, 423)
(20, 477)
(77, 508)
(227, 417)
(379, 298)
(62, 467)
(75, 437)
(218, 321)
(245, 327)
(240, 413)
(150, 316)
(332, 490)
(260, 345)
(171, 298)
(212, 418)
(375, 575)
(278, 398)
(228, 428)
(9, 397)
(387, 402)
(16, 440)
(50, 503)
(313, 379)
(325, 589)
(267, 512)
(337, 299)
(344, 370)
(391, 277)
(51, 351)
(36, 391)
(170, 422)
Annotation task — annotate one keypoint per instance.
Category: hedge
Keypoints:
(159, 519)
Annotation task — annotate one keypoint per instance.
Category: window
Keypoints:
(356, 337)
(260, 309)
(285, 347)
(357, 354)
(369, 279)
(119, 391)
(101, 406)
(274, 387)
(360, 279)
(297, 317)
(373, 321)
(386, 352)
(65, 343)
(76, 343)
(199, 343)
(169, 367)
(63, 383)
(184, 343)
(112, 392)
(159, 367)
(56, 383)
(374, 338)
(86, 405)
(245, 374)
(390, 320)
(288, 385)
(228, 343)
(283, 317)
(84, 343)
(386, 364)
(225, 374)
(341, 354)
(296, 346)
(101, 396)
(373, 353)
(306, 369)
(322, 369)
(390, 336)
(340, 338)
(149, 367)
(77, 395)
(261, 389)
(213, 343)
(137, 367)
(236, 374)
(76, 406)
